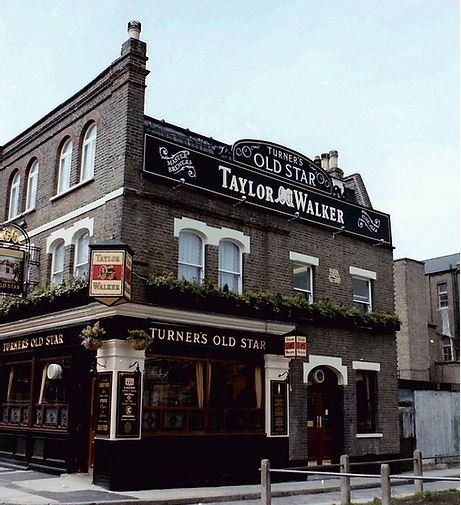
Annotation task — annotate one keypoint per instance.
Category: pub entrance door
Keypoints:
(323, 416)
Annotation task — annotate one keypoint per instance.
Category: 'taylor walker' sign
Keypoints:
(266, 189)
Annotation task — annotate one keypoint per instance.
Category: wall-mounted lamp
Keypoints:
(137, 366)
(381, 242)
(181, 182)
(341, 230)
(241, 201)
(296, 216)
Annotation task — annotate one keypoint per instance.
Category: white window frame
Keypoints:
(65, 166)
(54, 272)
(88, 153)
(447, 346)
(13, 210)
(221, 270)
(439, 293)
(32, 184)
(202, 252)
(78, 265)
(364, 275)
(304, 261)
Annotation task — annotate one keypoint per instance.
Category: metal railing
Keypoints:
(345, 477)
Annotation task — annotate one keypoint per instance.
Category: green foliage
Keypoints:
(140, 335)
(292, 307)
(92, 332)
(10, 307)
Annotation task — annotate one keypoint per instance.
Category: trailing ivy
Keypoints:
(256, 299)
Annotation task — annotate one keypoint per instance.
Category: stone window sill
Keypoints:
(369, 435)
(71, 189)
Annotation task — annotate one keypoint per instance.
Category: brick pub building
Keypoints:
(234, 248)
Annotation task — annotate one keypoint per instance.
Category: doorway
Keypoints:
(323, 416)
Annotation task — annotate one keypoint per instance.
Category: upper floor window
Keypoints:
(361, 288)
(365, 383)
(57, 263)
(191, 257)
(81, 255)
(303, 274)
(65, 164)
(32, 181)
(447, 349)
(88, 153)
(302, 280)
(442, 295)
(362, 293)
(230, 266)
(14, 196)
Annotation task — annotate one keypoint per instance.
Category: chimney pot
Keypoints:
(333, 160)
(134, 29)
(317, 160)
(324, 162)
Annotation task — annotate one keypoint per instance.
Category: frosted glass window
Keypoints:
(81, 255)
(32, 181)
(230, 266)
(190, 264)
(14, 196)
(57, 264)
(88, 153)
(65, 163)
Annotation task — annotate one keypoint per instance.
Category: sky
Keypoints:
(376, 80)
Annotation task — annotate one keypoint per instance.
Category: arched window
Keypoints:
(190, 263)
(32, 180)
(14, 196)
(88, 153)
(65, 163)
(57, 263)
(81, 255)
(230, 266)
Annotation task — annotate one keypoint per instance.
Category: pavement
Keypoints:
(28, 487)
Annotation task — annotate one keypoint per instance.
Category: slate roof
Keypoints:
(441, 264)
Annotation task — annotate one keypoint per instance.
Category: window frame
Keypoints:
(14, 195)
(447, 345)
(201, 266)
(371, 382)
(368, 304)
(65, 162)
(53, 271)
(231, 272)
(442, 296)
(32, 184)
(76, 264)
(88, 146)
(309, 262)
(204, 406)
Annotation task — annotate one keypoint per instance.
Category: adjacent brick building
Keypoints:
(294, 247)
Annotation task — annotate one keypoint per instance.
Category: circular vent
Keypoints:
(318, 376)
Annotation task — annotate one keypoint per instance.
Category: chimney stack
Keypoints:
(134, 29)
(317, 161)
(324, 161)
(333, 168)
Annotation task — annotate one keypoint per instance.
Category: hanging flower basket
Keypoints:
(139, 339)
(92, 336)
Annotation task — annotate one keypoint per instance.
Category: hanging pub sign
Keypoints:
(14, 245)
(11, 270)
(295, 346)
(267, 176)
(128, 405)
(111, 265)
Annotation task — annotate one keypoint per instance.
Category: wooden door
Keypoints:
(319, 429)
(91, 425)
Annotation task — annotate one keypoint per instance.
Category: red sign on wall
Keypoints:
(295, 347)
